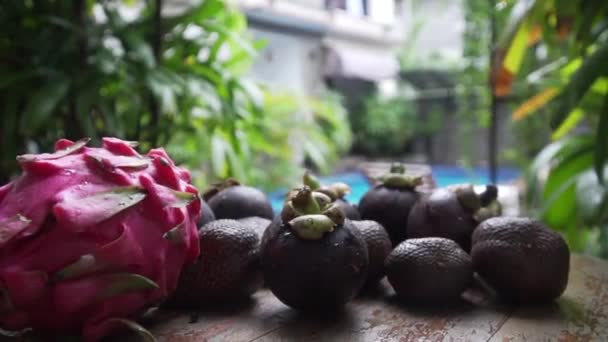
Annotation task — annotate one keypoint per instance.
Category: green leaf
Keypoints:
(571, 121)
(590, 195)
(8, 78)
(593, 67)
(43, 102)
(559, 192)
(601, 145)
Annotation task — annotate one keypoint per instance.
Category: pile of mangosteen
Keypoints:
(321, 251)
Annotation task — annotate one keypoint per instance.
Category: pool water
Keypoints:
(443, 175)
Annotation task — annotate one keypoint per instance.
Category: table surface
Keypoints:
(581, 314)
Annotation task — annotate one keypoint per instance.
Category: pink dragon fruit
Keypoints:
(92, 237)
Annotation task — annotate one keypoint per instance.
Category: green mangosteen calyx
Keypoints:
(304, 202)
(490, 206)
(310, 180)
(310, 214)
(312, 227)
(396, 178)
(483, 206)
(334, 191)
(219, 186)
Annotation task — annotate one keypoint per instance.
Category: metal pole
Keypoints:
(493, 130)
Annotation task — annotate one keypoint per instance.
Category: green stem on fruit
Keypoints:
(397, 168)
(467, 197)
(312, 227)
(322, 199)
(341, 189)
(398, 180)
(310, 180)
(489, 195)
(493, 209)
(289, 212)
(304, 202)
(335, 213)
(329, 192)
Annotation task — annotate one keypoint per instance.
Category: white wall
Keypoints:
(320, 4)
(443, 24)
(289, 61)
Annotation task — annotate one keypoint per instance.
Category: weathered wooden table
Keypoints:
(581, 314)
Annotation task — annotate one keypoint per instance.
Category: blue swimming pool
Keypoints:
(443, 175)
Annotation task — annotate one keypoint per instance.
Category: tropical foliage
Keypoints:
(567, 179)
(142, 71)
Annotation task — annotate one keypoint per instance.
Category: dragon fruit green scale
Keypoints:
(92, 237)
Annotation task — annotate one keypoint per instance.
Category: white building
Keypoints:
(309, 41)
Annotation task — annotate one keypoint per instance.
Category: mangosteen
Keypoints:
(231, 200)
(390, 201)
(452, 213)
(336, 193)
(310, 255)
(206, 214)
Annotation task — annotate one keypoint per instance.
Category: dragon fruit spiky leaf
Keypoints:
(77, 238)
(79, 213)
(132, 325)
(120, 147)
(57, 154)
(109, 257)
(109, 161)
(11, 226)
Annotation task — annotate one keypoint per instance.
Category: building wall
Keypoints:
(441, 24)
(290, 61)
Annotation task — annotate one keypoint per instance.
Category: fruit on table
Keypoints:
(230, 200)
(91, 237)
(258, 224)
(378, 246)
(452, 213)
(207, 214)
(389, 203)
(429, 270)
(311, 258)
(521, 258)
(227, 269)
(335, 192)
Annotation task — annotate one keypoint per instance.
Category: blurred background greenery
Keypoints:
(182, 79)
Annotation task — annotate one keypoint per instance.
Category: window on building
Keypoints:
(381, 11)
